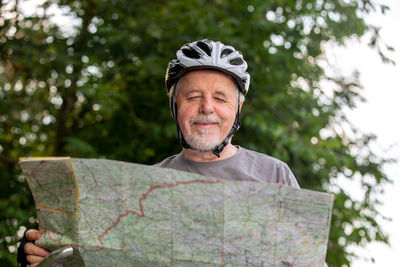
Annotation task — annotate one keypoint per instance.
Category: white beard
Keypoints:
(204, 140)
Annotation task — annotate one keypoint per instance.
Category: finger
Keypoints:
(33, 234)
(32, 259)
(31, 249)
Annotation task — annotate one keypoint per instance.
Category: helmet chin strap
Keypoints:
(217, 149)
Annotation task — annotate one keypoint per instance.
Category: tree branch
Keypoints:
(8, 160)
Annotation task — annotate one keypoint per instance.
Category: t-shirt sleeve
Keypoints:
(289, 178)
(166, 163)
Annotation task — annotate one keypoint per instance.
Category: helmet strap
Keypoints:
(174, 109)
(236, 125)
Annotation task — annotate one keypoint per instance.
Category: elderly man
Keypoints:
(206, 84)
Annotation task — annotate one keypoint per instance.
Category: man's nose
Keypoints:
(207, 106)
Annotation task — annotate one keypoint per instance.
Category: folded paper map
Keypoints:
(124, 214)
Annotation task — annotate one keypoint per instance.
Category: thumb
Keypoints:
(33, 235)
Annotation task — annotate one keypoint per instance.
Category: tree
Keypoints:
(93, 87)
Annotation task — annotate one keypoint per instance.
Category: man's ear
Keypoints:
(240, 106)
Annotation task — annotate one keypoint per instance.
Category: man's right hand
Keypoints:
(34, 254)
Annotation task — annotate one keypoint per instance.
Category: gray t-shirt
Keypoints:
(245, 165)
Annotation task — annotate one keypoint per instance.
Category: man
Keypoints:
(206, 84)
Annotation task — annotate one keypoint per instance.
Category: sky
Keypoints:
(379, 115)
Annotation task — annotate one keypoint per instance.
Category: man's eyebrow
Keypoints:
(191, 91)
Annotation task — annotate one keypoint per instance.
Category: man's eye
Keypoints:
(193, 97)
(220, 99)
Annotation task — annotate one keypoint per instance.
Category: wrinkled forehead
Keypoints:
(200, 77)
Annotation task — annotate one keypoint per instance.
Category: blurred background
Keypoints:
(378, 115)
(86, 79)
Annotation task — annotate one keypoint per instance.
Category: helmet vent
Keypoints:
(175, 69)
(190, 53)
(205, 47)
(236, 61)
(226, 52)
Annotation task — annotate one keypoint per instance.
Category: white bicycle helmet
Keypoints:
(208, 55)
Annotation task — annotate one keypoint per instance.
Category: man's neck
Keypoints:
(198, 156)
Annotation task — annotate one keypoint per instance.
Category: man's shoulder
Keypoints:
(265, 168)
(254, 156)
(167, 162)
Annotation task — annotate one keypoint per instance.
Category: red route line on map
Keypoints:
(141, 214)
(51, 238)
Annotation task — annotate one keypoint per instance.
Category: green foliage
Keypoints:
(94, 88)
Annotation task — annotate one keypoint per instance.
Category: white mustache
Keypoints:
(204, 119)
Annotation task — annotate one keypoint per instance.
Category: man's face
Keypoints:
(207, 105)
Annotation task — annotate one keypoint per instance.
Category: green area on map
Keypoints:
(123, 214)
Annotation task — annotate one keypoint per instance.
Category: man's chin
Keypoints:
(203, 145)
(203, 149)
